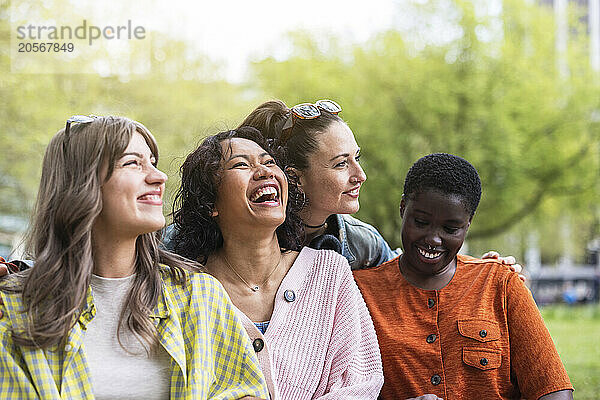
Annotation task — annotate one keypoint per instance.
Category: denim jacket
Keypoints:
(361, 244)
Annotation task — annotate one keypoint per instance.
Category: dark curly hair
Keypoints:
(196, 233)
(448, 174)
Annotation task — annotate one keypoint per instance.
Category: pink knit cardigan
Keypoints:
(320, 343)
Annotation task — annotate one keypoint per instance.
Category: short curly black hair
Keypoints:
(447, 174)
(197, 235)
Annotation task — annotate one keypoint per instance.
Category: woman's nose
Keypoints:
(358, 174)
(155, 175)
(263, 172)
(362, 176)
(433, 238)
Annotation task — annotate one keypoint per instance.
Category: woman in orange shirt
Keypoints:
(451, 325)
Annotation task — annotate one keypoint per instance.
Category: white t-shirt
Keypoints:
(116, 374)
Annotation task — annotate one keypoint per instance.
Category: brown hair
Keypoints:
(270, 117)
(60, 241)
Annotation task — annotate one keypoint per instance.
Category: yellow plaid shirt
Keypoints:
(211, 354)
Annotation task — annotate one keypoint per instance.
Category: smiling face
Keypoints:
(434, 226)
(334, 176)
(132, 196)
(252, 189)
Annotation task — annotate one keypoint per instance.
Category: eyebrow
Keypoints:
(139, 155)
(422, 212)
(452, 221)
(344, 155)
(246, 156)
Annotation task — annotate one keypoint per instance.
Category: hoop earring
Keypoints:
(297, 198)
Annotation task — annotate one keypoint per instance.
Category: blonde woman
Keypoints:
(105, 313)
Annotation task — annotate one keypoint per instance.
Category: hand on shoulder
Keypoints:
(509, 261)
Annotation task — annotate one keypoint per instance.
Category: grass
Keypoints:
(576, 333)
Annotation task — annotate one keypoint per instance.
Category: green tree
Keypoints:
(180, 98)
(495, 98)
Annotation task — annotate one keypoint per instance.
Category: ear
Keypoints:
(402, 206)
(470, 220)
(294, 175)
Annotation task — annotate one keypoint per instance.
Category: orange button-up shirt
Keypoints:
(480, 337)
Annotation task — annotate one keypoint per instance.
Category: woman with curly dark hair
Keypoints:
(201, 175)
(309, 324)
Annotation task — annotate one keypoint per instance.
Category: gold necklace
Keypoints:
(254, 288)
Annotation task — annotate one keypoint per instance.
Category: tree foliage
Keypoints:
(498, 100)
(180, 100)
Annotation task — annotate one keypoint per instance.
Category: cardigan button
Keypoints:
(483, 361)
(68, 347)
(483, 333)
(431, 338)
(436, 380)
(430, 303)
(258, 345)
(289, 295)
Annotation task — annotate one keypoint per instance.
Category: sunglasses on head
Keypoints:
(308, 111)
(77, 119)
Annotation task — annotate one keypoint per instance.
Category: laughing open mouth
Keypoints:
(265, 194)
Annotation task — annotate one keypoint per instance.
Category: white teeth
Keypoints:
(151, 197)
(428, 255)
(263, 191)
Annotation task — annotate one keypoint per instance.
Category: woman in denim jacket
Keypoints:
(322, 156)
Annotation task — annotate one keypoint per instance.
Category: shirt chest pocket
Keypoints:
(487, 355)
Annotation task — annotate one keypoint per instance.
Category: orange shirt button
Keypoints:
(430, 303)
(431, 338)
(483, 361)
(436, 380)
(483, 333)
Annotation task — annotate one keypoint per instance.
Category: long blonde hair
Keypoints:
(60, 237)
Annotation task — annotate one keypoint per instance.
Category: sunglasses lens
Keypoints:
(80, 119)
(329, 105)
(306, 111)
